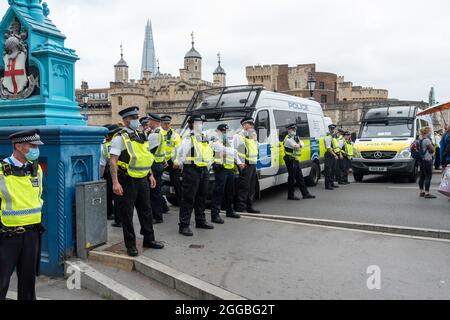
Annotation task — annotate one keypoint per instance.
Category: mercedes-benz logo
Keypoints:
(378, 155)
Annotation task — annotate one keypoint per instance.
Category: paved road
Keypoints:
(277, 260)
(377, 200)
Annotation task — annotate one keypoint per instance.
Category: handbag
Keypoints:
(444, 187)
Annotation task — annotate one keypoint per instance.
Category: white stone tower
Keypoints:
(193, 63)
(219, 75)
(121, 69)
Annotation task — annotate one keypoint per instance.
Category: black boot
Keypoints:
(204, 225)
(186, 231)
(233, 215)
(252, 210)
(132, 252)
(217, 219)
(152, 244)
(309, 196)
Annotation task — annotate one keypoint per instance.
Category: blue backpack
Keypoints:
(416, 150)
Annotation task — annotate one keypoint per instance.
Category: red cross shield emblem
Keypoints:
(15, 79)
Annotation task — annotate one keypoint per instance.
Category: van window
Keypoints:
(262, 126)
(423, 123)
(285, 118)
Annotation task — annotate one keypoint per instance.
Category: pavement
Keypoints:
(48, 288)
(263, 259)
(378, 200)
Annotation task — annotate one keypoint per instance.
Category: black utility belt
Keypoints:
(196, 167)
(14, 231)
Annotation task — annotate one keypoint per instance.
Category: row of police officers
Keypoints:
(133, 159)
(338, 157)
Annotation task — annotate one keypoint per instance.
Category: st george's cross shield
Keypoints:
(15, 79)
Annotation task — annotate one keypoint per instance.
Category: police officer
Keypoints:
(331, 156)
(293, 151)
(247, 156)
(130, 168)
(173, 141)
(340, 162)
(158, 149)
(195, 156)
(348, 155)
(20, 215)
(144, 124)
(224, 168)
(105, 173)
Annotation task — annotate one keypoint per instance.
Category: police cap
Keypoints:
(154, 117)
(223, 127)
(247, 120)
(131, 111)
(29, 136)
(166, 119)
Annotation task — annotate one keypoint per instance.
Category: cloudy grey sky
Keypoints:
(401, 45)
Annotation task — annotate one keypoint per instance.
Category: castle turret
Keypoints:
(219, 75)
(121, 69)
(193, 63)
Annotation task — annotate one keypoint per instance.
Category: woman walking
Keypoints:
(426, 164)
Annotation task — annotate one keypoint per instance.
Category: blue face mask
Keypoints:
(134, 124)
(33, 154)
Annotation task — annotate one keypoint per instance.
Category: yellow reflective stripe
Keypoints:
(5, 192)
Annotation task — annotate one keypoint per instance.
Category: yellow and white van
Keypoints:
(384, 140)
(272, 113)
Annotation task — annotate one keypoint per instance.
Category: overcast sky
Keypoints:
(401, 45)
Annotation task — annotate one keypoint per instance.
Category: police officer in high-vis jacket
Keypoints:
(158, 149)
(331, 156)
(224, 168)
(246, 145)
(340, 161)
(20, 215)
(173, 141)
(293, 151)
(195, 157)
(105, 173)
(131, 162)
(348, 154)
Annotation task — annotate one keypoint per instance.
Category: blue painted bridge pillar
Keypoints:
(37, 90)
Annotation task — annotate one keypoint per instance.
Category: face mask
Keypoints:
(33, 154)
(134, 124)
(292, 133)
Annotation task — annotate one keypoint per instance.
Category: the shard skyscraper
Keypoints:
(148, 54)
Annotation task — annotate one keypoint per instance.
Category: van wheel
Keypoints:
(359, 177)
(412, 178)
(313, 179)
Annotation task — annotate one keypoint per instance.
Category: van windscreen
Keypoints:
(387, 129)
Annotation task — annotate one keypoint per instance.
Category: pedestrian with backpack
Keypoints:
(426, 149)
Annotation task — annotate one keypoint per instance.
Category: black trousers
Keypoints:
(155, 194)
(21, 252)
(223, 190)
(426, 173)
(194, 193)
(347, 166)
(295, 177)
(437, 160)
(340, 170)
(330, 169)
(246, 188)
(175, 175)
(110, 197)
(135, 194)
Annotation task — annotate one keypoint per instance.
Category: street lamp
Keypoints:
(311, 85)
(85, 98)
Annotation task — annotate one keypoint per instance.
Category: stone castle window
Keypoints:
(120, 101)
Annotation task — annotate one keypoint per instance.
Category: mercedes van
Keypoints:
(384, 140)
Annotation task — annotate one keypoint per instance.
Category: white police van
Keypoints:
(272, 113)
